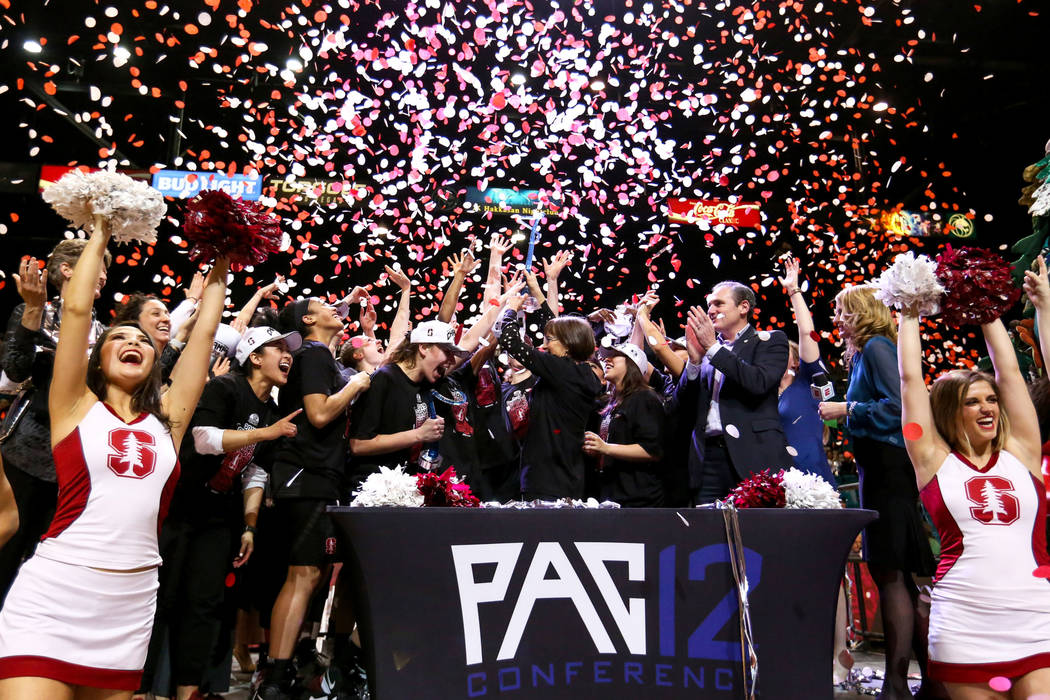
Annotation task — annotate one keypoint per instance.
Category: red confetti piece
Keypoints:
(912, 431)
(231, 579)
(1042, 572)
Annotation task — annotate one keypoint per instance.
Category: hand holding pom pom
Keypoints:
(978, 286)
(910, 283)
(219, 226)
(132, 209)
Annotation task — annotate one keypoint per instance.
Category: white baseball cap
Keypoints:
(631, 352)
(255, 338)
(226, 340)
(436, 333)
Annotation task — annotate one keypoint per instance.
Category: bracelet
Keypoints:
(797, 291)
(850, 405)
(177, 344)
(249, 528)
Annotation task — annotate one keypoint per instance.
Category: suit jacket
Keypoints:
(747, 403)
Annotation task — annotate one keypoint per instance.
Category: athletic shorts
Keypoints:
(305, 530)
(77, 625)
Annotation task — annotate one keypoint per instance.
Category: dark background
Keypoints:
(962, 83)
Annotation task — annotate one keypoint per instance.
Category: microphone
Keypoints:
(822, 388)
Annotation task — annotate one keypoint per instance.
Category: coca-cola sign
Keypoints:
(713, 211)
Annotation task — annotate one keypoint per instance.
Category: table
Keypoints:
(592, 603)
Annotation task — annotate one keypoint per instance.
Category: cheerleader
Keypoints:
(974, 442)
(79, 614)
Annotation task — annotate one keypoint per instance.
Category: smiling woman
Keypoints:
(975, 444)
(80, 612)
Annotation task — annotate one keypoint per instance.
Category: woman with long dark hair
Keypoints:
(630, 444)
(895, 545)
(79, 614)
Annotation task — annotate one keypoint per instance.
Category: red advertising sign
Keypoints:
(693, 211)
(50, 174)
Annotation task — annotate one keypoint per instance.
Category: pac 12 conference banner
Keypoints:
(640, 603)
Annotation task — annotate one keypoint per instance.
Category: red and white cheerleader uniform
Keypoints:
(990, 615)
(65, 618)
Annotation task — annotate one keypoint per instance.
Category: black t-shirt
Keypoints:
(453, 397)
(516, 404)
(492, 441)
(313, 463)
(552, 463)
(209, 484)
(638, 420)
(392, 404)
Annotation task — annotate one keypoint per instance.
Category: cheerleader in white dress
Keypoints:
(77, 620)
(974, 442)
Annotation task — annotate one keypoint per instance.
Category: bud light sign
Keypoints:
(184, 184)
(640, 603)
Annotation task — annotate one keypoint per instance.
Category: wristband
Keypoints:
(850, 405)
(177, 344)
(249, 528)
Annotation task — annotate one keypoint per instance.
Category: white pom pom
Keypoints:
(805, 490)
(133, 208)
(390, 487)
(911, 282)
(1041, 204)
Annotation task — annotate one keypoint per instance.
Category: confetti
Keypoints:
(1000, 684)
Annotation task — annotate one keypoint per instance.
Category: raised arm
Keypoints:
(552, 271)
(69, 394)
(1024, 440)
(462, 265)
(267, 292)
(191, 372)
(926, 448)
(498, 247)
(808, 349)
(479, 330)
(658, 341)
(399, 327)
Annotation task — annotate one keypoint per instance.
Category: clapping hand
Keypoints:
(31, 283)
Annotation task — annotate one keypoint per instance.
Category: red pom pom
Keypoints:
(442, 491)
(763, 490)
(978, 284)
(220, 226)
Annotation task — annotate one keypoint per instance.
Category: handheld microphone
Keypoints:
(822, 389)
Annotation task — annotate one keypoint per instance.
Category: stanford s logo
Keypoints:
(135, 457)
(996, 502)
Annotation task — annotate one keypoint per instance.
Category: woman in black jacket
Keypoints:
(630, 446)
(552, 465)
(29, 356)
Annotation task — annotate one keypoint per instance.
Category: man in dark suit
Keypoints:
(732, 379)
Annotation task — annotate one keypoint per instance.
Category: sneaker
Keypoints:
(270, 691)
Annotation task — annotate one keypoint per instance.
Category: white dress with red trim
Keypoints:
(65, 619)
(990, 615)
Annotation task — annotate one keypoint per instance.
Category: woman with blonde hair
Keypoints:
(974, 440)
(895, 545)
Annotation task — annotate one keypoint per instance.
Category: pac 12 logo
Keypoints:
(643, 646)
